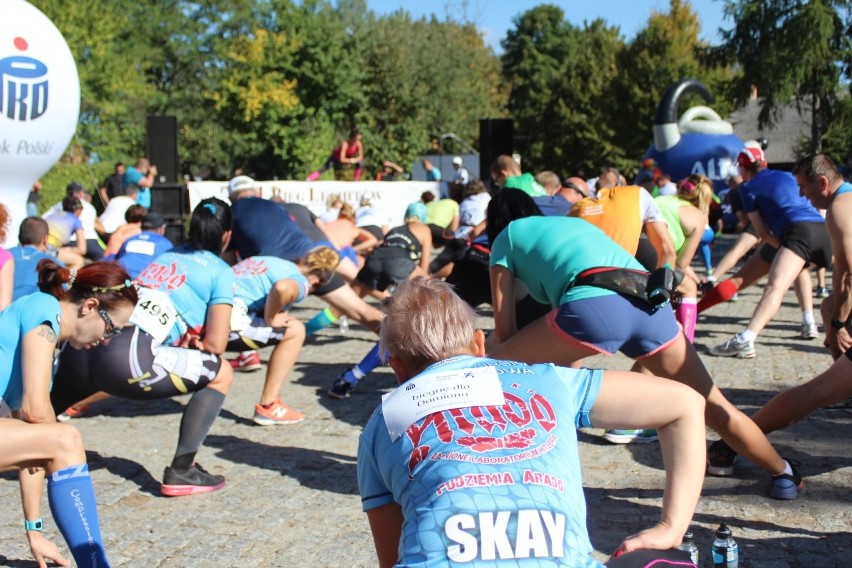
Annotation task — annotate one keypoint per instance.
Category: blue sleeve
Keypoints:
(500, 250)
(747, 199)
(223, 287)
(584, 386)
(78, 225)
(41, 308)
(132, 175)
(371, 485)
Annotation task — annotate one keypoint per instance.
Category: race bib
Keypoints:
(240, 318)
(154, 313)
(438, 392)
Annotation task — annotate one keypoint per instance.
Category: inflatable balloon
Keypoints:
(700, 142)
(39, 103)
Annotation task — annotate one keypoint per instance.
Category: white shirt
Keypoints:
(113, 216)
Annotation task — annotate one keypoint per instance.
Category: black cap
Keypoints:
(73, 188)
(153, 220)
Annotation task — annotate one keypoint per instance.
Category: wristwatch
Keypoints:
(36, 525)
(838, 324)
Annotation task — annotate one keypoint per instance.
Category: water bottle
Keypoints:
(688, 545)
(725, 553)
(343, 324)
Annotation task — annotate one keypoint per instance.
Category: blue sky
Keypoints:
(494, 17)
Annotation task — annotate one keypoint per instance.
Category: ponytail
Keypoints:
(108, 282)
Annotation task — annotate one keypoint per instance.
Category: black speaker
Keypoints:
(162, 148)
(169, 200)
(495, 138)
(175, 231)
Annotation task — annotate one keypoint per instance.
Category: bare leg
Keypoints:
(745, 242)
(785, 269)
(681, 363)
(347, 302)
(282, 360)
(832, 386)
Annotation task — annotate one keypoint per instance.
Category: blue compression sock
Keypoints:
(72, 502)
(320, 321)
(370, 361)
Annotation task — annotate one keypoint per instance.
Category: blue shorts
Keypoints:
(608, 324)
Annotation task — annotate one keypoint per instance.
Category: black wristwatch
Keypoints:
(837, 324)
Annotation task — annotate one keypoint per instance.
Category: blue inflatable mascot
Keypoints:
(700, 142)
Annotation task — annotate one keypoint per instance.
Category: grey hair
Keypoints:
(426, 322)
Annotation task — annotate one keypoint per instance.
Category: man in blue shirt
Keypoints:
(475, 460)
(32, 247)
(138, 251)
(144, 175)
(787, 221)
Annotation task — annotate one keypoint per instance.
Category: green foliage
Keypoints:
(789, 50)
(54, 182)
(582, 98)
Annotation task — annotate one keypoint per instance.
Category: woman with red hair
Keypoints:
(84, 308)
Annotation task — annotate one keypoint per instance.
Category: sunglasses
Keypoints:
(110, 330)
(572, 185)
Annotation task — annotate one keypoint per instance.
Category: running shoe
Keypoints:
(276, 413)
(720, 459)
(821, 292)
(809, 331)
(193, 481)
(787, 486)
(72, 412)
(340, 388)
(247, 361)
(734, 348)
(631, 436)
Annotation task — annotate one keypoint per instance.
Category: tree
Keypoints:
(558, 75)
(665, 51)
(789, 50)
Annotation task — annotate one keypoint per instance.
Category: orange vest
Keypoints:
(615, 211)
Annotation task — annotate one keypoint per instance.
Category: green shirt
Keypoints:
(548, 253)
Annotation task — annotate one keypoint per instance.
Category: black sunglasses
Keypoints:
(110, 330)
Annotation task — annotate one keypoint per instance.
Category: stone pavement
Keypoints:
(292, 498)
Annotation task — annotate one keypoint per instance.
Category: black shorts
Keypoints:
(333, 284)
(471, 281)
(810, 241)
(383, 270)
(133, 365)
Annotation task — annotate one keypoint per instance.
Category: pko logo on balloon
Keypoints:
(23, 86)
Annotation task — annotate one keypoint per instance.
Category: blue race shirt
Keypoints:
(486, 484)
(26, 259)
(775, 195)
(138, 251)
(255, 277)
(264, 228)
(194, 280)
(18, 319)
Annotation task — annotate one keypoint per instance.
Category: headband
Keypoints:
(116, 288)
(688, 187)
(72, 276)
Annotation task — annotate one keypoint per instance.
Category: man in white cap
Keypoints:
(462, 176)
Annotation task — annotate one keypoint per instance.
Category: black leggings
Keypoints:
(132, 365)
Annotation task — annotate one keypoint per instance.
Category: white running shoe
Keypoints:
(734, 348)
(809, 331)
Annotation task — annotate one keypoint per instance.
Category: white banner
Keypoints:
(389, 197)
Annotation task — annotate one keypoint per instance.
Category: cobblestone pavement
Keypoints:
(292, 499)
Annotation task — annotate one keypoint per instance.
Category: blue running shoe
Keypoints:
(787, 486)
